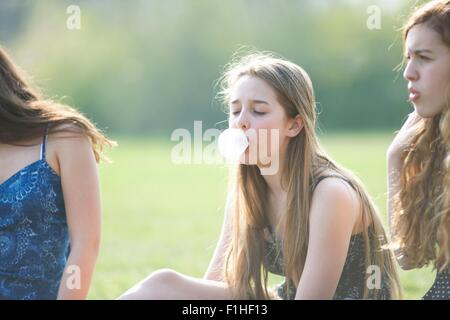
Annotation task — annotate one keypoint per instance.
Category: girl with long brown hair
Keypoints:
(49, 193)
(311, 221)
(419, 156)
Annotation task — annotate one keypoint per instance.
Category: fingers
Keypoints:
(413, 119)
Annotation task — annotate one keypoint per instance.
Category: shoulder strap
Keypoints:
(44, 143)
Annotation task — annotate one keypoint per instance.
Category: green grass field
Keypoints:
(157, 214)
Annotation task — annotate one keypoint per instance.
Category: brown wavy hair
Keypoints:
(304, 164)
(422, 206)
(26, 115)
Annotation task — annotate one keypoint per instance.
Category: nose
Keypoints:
(410, 72)
(243, 122)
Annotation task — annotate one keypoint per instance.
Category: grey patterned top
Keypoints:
(353, 278)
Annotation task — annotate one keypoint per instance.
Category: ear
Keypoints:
(295, 126)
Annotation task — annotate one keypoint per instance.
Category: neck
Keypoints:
(274, 180)
(276, 192)
(277, 197)
(274, 184)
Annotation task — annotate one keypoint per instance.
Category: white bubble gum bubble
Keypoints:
(232, 143)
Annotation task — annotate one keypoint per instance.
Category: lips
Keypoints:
(414, 95)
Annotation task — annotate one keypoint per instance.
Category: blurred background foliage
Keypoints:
(148, 67)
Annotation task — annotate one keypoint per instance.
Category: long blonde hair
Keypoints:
(304, 164)
(422, 206)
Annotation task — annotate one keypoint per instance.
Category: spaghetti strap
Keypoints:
(43, 145)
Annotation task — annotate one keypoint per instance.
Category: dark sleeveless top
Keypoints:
(353, 278)
(34, 238)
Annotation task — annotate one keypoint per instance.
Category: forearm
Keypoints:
(213, 273)
(215, 268)
(394, 169)
(78, 273)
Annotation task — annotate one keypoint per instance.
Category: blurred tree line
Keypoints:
(149, 66)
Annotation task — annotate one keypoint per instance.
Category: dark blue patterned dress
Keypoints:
(34, 238)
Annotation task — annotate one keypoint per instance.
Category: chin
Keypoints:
(426, 111)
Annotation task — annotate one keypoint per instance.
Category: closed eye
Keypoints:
(259, 113)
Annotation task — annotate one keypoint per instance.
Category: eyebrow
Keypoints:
(419, 51)
(251, 101)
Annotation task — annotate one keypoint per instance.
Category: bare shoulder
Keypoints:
(334, 188)
(67, 143)
(335, 196)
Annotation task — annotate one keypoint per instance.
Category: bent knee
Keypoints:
(162, 277)
(153, 285)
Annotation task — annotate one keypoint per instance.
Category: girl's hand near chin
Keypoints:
(403, 138)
